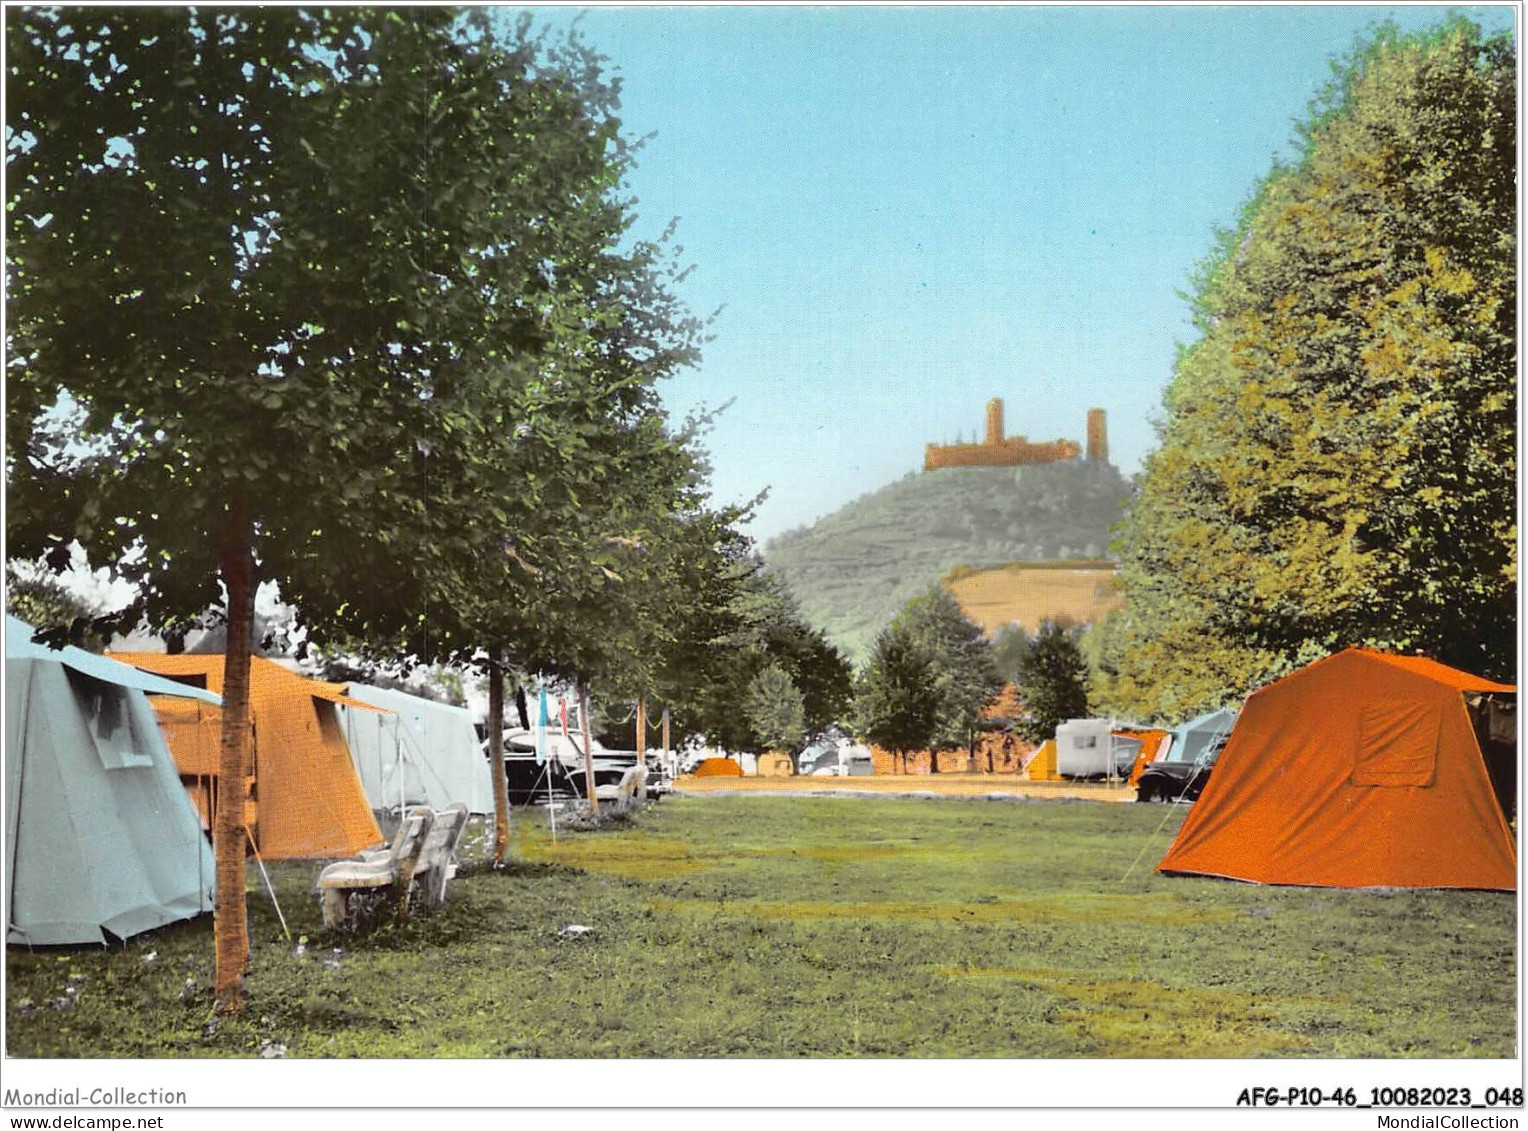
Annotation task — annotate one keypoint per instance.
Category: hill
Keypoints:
(852, 570)
(1030, 592)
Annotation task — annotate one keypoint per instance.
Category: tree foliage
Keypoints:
(775, 710)
(756, 626)
(336, 299)
(51, 607)
(1053, 681)
(896, 705)
(1338, 460)
(1009, 647)
(965, 676)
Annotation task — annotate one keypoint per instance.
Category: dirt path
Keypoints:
(913, 785)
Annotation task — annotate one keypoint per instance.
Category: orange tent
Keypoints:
(776, 764)
(1151, 742)
(307, 800)
(1361, 770)
(718, 768)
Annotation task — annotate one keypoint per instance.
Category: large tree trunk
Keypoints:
(229, 834)
(583, 726)
(641, 728)
(496, 755)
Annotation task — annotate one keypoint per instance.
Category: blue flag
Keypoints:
(541, 721)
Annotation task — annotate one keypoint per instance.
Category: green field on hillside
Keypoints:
(817, 927)
(853, 570)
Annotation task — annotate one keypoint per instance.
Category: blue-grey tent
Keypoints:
(1194, 737)
(100, 836)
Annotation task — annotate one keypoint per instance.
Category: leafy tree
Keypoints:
(1338, 463)
(816, 667)
(965, 678)
(762, 628)
(775, 710)
(1053, 681)
(1009, 648)
(51, 607)
(549, 493)
(297, 318)
(896, 703)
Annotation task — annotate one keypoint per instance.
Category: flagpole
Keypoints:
(668, 761)
(583, 726)
(544, 756)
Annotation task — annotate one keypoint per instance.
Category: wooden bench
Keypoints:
(393, 867)
(629, 794)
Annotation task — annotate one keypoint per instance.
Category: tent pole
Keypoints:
(268, 886)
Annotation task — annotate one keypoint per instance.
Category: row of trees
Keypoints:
(1337, 463)
(931, 675)
(348, 301)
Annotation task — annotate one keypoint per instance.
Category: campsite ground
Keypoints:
(814, 926)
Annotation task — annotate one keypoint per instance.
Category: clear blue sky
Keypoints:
(905, 211)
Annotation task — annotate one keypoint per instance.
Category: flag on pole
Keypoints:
(562, 710)
(541, 721)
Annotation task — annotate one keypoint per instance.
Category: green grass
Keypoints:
(785, 926)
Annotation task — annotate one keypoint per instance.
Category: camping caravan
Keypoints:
(1083, 748)
(100, 839)
(1089, 748)
(1361, 770)
(307, 801)
(419, 752)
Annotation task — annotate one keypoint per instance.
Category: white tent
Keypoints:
(423, 753)
(99, 834)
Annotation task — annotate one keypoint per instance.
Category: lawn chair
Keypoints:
(437, 858)
(437, 862)
(630, 794)
(390, 868)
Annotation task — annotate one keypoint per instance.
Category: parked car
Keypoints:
(1166, 780)
(835, 757)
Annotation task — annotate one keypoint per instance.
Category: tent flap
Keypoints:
(18, 642)
(1397, 743)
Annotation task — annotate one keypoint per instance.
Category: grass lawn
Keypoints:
(826, 927)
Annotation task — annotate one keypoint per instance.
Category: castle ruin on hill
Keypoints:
(998, 450)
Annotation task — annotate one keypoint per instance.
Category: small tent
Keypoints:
(306, 798)
(1041, 763)
(1144, 744)
(776, 764)
(99, 836)
(1193, 738)
(1360, 770)
(420, 753)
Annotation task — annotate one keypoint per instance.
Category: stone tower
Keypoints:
(1098, 434)
(995, 422)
